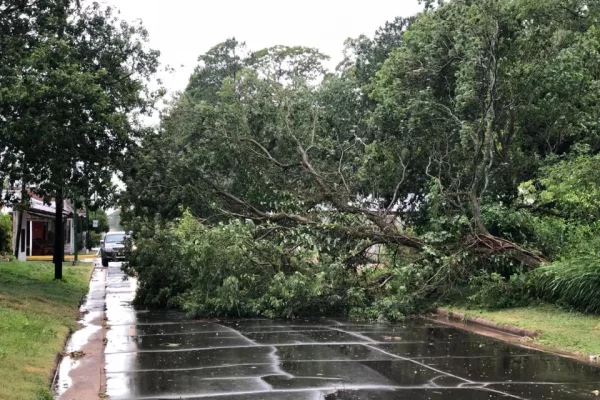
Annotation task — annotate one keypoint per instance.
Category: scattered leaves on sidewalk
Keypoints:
(76, 355)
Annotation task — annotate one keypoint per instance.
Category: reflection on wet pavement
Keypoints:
(166, 355)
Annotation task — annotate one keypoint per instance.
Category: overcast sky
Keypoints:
(184, 29)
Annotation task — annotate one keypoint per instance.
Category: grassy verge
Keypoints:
(559, 329)
(36, 315)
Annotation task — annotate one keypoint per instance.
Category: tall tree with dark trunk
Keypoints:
(73, 105)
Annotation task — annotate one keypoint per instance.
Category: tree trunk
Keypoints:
(18, 238)
(479, 225)
(59, 237)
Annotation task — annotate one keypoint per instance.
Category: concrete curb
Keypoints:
(508, 333)
(508, 329)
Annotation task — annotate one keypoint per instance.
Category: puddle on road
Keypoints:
(166, 355)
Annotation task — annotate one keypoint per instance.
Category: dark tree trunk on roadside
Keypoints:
(59, 246)
(18, 238)
(20, 223)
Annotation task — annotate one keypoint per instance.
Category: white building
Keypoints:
(38, 227)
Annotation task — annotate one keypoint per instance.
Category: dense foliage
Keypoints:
(221, 271)
(451, 155)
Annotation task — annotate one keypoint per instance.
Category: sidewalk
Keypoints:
(81, 372)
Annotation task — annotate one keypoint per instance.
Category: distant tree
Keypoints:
(114, 220)
(224, 60)
(103, 221)
(288, 64)
(94, 235)
(364, 56)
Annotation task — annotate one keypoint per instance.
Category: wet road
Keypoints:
(158, 355)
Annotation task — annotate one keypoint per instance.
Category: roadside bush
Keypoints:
(573, 283)
(95, 238)
(5, 233)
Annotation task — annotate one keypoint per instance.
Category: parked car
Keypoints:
(112, 247)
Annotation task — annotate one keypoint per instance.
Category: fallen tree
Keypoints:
(407, 158)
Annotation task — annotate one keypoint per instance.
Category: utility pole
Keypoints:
(88, 240)
(21, 209)
(59, 238)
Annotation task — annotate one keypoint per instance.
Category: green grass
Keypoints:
(559, 329)
(36, 315)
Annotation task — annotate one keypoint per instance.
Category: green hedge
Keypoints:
(5, 233)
